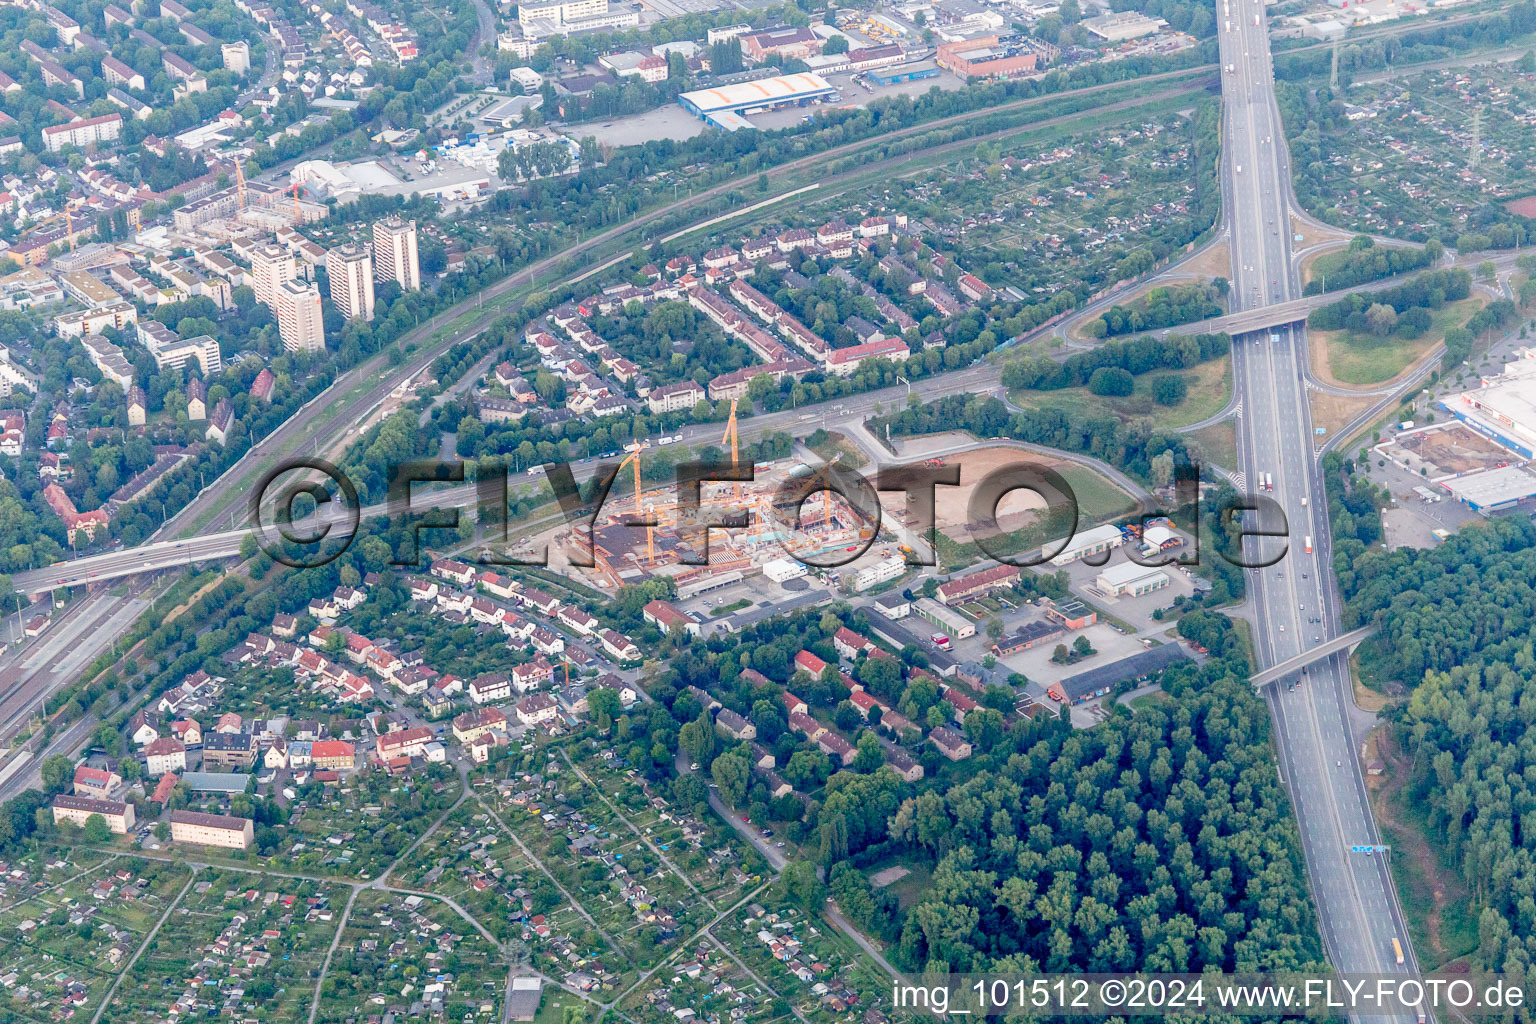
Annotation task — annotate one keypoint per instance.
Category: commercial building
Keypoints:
(77, 810)
(567, 17)
(350, 268)
(1081, 545)
(298, 317)
(220, 830)
(955, 625)
(789, 42)
(1127, 579)
(83, 133)
(1492, 490)
(394, 253)
(271, 265)
(883, 571)
(781, 569)
(724, 105)
(914, 71)
(1503, 406)
(1119, 26)
(1096, 682)
(987, 57)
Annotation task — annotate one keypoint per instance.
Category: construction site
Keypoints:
(789, 510)
(246, 208)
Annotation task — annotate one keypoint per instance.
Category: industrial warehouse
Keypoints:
(726, 106)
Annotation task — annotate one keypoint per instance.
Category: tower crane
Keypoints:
(734, 438)
(634, 448)
(240, 185)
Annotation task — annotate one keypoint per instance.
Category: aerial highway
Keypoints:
(1297, 606)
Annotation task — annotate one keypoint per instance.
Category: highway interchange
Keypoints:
(1296, 605)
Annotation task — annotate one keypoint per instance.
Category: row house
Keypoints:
(449, 569)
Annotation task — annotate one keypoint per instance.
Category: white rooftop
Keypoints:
(1492, 487)
(1506, 401)
(1123, 573)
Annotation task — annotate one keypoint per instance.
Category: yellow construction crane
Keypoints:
(735, 441)
(634, 448)
(297, 218)
(240, 185)
(650, 534)
(69, 223)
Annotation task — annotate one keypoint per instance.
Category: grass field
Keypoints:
(1353, 358)
(1210, 387)
(1217, 443)
(1097, 498)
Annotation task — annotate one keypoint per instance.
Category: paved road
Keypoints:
(1357, 907)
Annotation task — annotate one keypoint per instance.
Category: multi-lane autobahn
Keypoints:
(1297, 605)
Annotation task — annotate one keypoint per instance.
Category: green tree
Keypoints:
(96, 830)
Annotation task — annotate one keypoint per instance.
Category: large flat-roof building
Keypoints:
(1128, 579)
(1492, 490)
(718, 104)
(1503, 406)
(1119, 26)
(987, 57)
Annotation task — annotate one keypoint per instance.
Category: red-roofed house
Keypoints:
(849, 644)
(805, 661)
(97, 783)
(163, 789)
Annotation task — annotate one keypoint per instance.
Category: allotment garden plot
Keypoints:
(412, 956)
(238, 943)
(63, 944)
(1055, 210)
(639, 902)
(1440, 153)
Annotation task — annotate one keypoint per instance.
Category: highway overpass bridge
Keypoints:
(1344, 642)
(1259, 318)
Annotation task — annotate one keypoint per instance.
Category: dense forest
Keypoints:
(1160, 840)
(1456, 620)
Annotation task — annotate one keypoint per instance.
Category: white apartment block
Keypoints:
(394, 253)
(271, 265)
(351, 271)
(298, 317)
